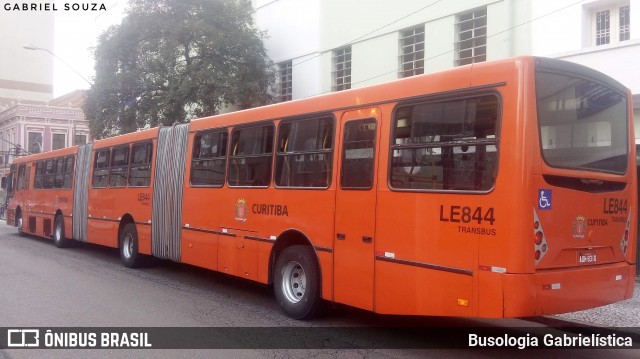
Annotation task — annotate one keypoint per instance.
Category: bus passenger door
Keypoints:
(356, 209)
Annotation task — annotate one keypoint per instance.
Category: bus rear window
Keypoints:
(583, 124)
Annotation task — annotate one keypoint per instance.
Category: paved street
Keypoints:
(622, 314)
(86, 286)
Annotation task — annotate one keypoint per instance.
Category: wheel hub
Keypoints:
(294, 282)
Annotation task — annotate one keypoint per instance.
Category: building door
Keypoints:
(356, 209)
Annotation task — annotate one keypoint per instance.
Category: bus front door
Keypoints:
(356, 209)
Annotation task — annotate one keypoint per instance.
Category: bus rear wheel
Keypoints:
(129, 246)
(59, 239)
(297, 282)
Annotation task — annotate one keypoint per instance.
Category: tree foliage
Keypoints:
(174, 60)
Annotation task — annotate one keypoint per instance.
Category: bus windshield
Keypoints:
(583, 124)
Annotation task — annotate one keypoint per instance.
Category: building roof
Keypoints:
(74, 99)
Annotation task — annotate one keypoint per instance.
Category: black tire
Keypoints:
(129, 247)
(59, 239)
(20, 223)
(297, 282)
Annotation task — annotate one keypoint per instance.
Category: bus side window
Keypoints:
(101, 169)
(68, 172)
(358, 154)
(305, 153)
(59, 178)
(448, 145)
(21, 173)
(37, 181)
(49, 174)
(209, 161)
(119, 167)
(140, 170)
(251, 156)
(27, 176)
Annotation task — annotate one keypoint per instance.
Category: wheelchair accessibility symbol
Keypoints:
(544, 199)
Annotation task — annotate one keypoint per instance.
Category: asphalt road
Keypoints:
(86, 286)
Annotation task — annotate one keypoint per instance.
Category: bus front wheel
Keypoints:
(129, 246)
(59, 239)
(297, 282)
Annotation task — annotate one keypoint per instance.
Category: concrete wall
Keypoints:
(316, 27)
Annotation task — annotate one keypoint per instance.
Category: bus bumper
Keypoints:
(566, 290)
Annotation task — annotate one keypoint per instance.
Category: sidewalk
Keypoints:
(621, 314)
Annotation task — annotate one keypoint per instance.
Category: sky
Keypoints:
(76, 32)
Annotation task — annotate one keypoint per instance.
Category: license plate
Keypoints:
(587, 257)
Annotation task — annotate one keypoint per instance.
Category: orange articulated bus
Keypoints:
(498, 189)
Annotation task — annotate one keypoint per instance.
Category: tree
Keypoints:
(175, 60)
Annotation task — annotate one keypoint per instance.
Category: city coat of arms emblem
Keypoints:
(241, 210)
(579, 227)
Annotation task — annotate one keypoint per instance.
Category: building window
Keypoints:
(471, 37)
(58, 141)
(342, 69)
(625, 23)
(286, 81)
(79, 140)
(35, 142)
(602, 27)
(611, 25)
(412, 52)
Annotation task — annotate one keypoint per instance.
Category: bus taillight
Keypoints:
(538, 238)
(624, 242)
(540, 246)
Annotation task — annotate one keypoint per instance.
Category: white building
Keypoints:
(602, 34)
(329, 45)
(24, 77)
(30, 118)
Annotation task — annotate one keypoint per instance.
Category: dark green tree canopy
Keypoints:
(174, 60)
